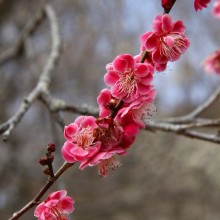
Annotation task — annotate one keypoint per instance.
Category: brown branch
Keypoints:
(28, 30)
(44, 80)
(41, 193)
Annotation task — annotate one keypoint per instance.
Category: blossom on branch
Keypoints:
(56, 207)
(127, 78)
(212, 62)
(123, 107)
(167, 41)
(200, 4)
(81, 143)
(137, 111)
(216, 9)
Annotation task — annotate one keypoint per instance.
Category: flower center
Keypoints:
(58, 214)
(171, 45)
(127, 82)
(85, 137)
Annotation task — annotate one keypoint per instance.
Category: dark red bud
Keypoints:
(47, 171)
(167, 5)
(51, 147)
(43, 161)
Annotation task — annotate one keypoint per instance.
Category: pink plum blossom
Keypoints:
(137, 110)
(81, 142)
(56, 206)
(212, 62)
(115, 139)
(216, 9)
(127, 78)
(200, 4)
(167, 40)
(119, 142)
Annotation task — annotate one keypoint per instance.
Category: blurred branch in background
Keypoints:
(28, 30)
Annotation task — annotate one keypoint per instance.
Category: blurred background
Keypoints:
(165, 176)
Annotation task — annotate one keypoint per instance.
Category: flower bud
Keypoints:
(47, 171)
(43, 161)
(51, 147)
(167, 5)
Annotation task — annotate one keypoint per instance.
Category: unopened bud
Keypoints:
(167, 5)
(51, 147)
(47, 171)
(43, 161)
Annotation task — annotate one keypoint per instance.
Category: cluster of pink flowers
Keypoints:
(56, 206)
(94, 141)
(126, 104)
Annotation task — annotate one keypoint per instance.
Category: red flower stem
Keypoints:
(41, 193)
